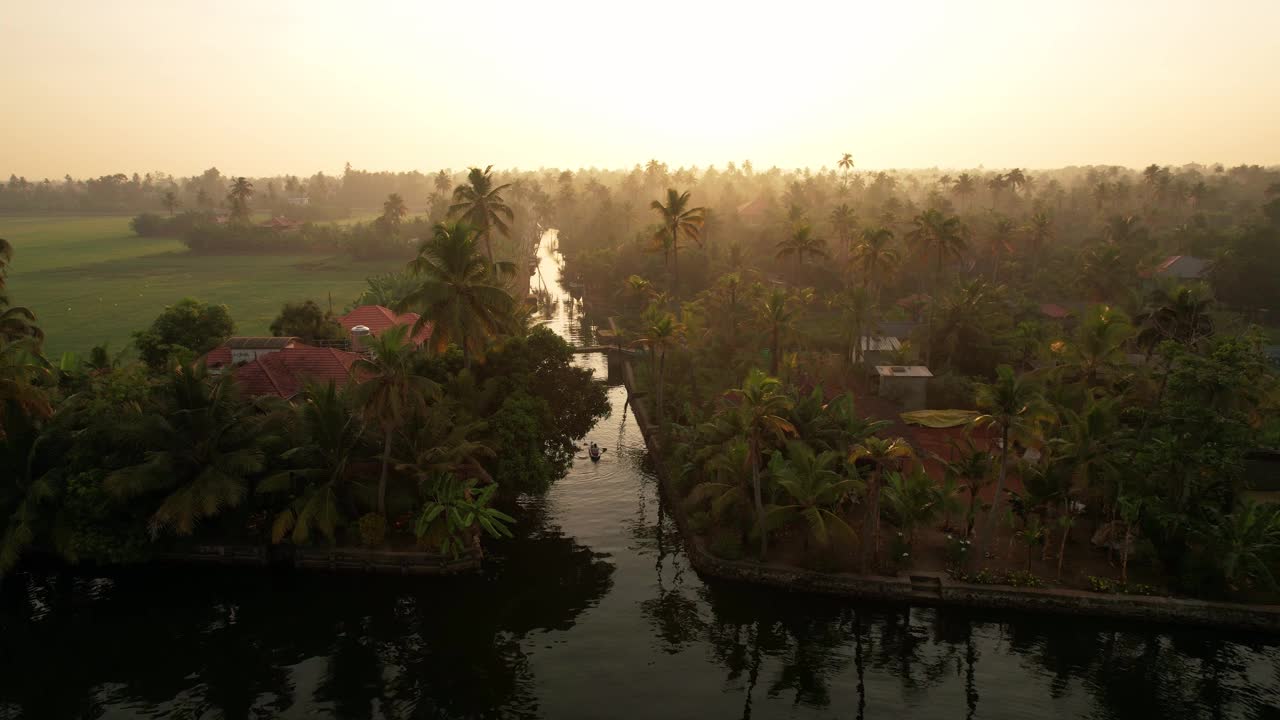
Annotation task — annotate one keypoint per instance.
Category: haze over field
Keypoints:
(291, 87)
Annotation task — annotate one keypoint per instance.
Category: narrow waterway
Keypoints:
(592, 611)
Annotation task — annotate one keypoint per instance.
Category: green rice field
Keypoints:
(91, 280)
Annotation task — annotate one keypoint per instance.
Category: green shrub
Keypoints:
(728, 547)
(147, 225)
(699, 521)
(373, 530)
(956, 551)
(1107, 585)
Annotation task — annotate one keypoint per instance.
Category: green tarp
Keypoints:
(939, 418)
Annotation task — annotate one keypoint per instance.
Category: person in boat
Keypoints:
(594, 451)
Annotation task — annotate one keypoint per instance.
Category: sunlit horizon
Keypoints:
(297, 87)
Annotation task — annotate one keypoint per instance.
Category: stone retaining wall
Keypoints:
(938, 589)
(394, 562)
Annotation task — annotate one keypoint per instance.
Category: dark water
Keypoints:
(591, 612)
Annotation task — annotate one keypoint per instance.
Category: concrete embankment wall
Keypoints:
(937, 588)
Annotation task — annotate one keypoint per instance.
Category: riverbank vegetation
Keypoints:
(426, 445)
(1104, 331)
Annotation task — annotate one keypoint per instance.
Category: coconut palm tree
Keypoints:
(456, 295)
(964, 187)
(844, 220)
(170, 202)
(801, 243)
(678, 221)
(480, 203)
(1088, 445)
(777, 319)
(941, 236)
(16, 322)
(875, 257)
(974, 467)
(661, 332)
(1040, 231)
(728, 465)
(393, 212)
(23, 371)
(879, 452)
(763, 407)
(1014, 406)
(1000, 243)
(1098, 350)
(390, 391)
(327, 437)
(913, 500)
(238, 198)
(810, 480)
(201, 449)
(1181, 315)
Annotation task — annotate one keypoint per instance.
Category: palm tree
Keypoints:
(1013, 405)
(660, 333)
(393, 212)
(974, 467)
(845, 164)
(941, 236)
(964, 187)
(202, 198)
(1181, 315)
(170, 202)
(1099, 347)
(390, 390)
(328, 434)
(481, 204)
(874, 256)
(22, 372)
(814, 487)
(16, 322)
(844, 220)
(1087, 445)
(802, 242)
(456, 295)
(777, 318)
(1040, 230)
(913, 500)
(763, 408)
(1001, 243)
(201, 450)
(238, 197)
(879, 452)
(678, 220)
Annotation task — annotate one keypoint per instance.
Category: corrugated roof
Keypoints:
(259, 343)
(284, 373)
(1054, 311)
(378, 318)
(903, 371)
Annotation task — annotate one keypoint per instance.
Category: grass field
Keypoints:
(91, 280)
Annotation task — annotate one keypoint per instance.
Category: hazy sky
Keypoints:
(264, 87)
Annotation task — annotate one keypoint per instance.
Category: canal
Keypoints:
(592, 611)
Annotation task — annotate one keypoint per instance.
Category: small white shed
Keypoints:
(906, 385)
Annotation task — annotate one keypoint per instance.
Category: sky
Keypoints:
(263, 88)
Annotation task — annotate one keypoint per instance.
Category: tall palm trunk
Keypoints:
(1066, 533)
(662, 361)
(989, 533)
(773, 354)
(869, 523)
(759, 499)
(937, 278)
(382, 479)
(488, 247)
(675, 263)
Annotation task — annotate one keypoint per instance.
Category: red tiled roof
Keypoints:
(1054, 311)
(378, 318)
(217, 357)
(284, 373)
(753, 208)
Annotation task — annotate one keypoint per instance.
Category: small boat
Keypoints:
(594, 452)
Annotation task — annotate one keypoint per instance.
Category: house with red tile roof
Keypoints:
(286, 372)
(240, 350)
(1179, 267)
(378, 318)
(1054, 311)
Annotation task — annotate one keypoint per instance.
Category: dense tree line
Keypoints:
(1128, 411)
(106, 460)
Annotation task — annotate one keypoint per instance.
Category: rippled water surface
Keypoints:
(591, 612)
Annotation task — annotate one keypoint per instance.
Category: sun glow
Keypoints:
(300, 86)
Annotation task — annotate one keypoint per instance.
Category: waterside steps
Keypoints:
(926, 586)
